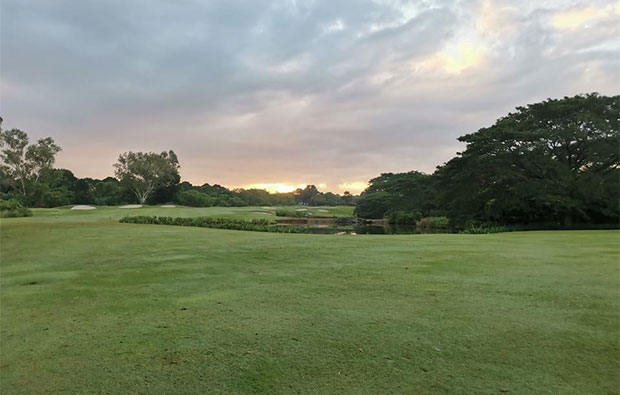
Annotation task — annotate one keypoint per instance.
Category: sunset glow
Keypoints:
(275, 187)
(354, 187)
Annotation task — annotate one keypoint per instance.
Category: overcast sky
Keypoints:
(293, 92)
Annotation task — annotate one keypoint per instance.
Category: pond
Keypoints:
(348, 226)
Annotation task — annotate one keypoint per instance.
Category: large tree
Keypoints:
(554, 161)
(23, 163)
(305, 196)
(409, 193)
(144, 172)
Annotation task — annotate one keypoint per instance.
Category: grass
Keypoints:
(115, 213)
(89, 305)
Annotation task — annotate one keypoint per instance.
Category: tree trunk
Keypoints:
(568, 220)
(23, 185)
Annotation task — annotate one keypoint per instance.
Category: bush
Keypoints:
(194, 199)
(257, 225)
(403, 218)
(13, 208)
(485, 229)
(433, 224)
(291, 213)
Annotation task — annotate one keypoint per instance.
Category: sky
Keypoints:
(283, 93)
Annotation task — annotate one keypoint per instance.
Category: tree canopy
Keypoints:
(144, 172)
(552, 161)
(392, 194)
(23, 163)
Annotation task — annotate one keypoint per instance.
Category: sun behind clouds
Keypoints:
(275, 187)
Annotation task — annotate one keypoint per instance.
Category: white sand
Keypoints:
(168, 205)
(302, 209)
(323, 211)
(260, 212)
(131, 206)
(83, 207)
(267, 208)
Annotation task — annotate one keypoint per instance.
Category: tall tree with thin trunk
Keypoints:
(144, 172)
(23, 163)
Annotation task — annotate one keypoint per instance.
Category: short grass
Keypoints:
(114, 213)
(91, 306)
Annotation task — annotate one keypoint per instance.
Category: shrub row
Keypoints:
(485, 229)
(13, 208)
(291, 213)
(256, 225)
(433, 224)
(403, 217)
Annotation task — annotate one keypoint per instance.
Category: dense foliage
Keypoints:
(402, 197)
(550, 164)
(13, 208)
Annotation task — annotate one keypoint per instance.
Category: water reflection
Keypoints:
(340, 226)
(385, 229)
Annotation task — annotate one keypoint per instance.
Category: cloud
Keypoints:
(583, 17)
(282, 92)
(452, 60)
(355, 187)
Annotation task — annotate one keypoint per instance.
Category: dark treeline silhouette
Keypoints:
(553, 164)
(60, 187)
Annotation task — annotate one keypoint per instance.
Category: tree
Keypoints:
(22, 162)
(409, 193)
(553, 161)
(108, 192)
(374, 204)
(347, 198)
(143, 172)
(304, 196)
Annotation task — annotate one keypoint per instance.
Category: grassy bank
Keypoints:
(89, 305)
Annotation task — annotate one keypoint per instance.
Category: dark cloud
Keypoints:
(290, 91)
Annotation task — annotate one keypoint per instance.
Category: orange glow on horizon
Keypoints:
(355, 187)
(275, 187)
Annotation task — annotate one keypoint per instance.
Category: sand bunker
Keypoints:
(260, 212)
(302, 209)
(168, 205)
(131, 206)
(83, 207)
(323, 211)
(267, 208)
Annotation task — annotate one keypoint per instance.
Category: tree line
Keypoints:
(554, 163)
(27, 175)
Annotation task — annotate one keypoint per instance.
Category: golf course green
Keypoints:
(93, 306)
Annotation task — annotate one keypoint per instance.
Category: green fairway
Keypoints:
(91, 306)
(114, 213)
